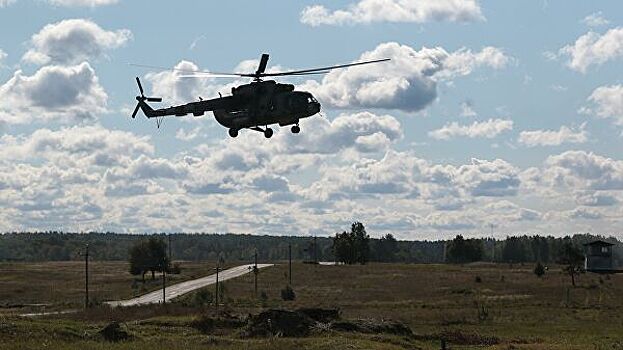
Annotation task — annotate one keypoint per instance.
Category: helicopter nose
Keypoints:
(313, 108)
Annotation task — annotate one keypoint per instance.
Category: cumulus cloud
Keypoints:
(584, 170)
(418, 11)
(595, 19)
(595, 199)
(408, 82)
(565, 134)
(594, 49)
(52, 93)
(72, 41)
(607, 102)
(487, 129)
(485, 178)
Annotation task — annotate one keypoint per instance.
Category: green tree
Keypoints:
(352, 247)
(539, 269)
(148, 256)
(387, 248)
(362, 243)
(461, 250)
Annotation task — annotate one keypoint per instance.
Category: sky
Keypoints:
(492, 117)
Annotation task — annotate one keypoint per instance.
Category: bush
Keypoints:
(539, 269)
(288, 294)
(478, 279)
(203, 297)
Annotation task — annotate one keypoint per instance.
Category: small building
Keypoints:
(599, 257)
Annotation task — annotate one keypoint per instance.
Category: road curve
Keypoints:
(180, 289)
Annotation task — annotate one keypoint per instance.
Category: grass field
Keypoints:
(473, 306)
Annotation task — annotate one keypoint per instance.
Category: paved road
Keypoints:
(179, 289)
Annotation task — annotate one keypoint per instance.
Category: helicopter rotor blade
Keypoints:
(263, 63)
(140, 87)
(321, 69)
(189, 71)
(135, 111)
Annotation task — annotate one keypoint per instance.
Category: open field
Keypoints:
(510, 308)
(60, 285)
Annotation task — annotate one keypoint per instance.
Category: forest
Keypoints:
(64, 246)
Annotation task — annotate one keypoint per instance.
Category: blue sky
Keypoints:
(503, 113)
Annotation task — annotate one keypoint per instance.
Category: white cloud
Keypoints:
(594, 49)
(467, 110)
(584, 170)
(408, 82)
(483, 178)
(72, 41)
(595, 198)
(52, 93)
(607, 102)
(487, 129)
(4, 3)
(565, 134)
(595, 19)
(418, 11)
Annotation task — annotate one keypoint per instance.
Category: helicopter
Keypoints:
(252, 106)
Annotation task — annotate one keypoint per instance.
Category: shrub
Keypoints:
(288, 294)
(539, 269)
(478, 279)
(203, 297)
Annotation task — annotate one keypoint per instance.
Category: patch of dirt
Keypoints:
(115, 332)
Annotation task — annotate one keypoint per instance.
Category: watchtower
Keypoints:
(599, 257)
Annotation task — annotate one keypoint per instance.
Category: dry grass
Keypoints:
(509, 308)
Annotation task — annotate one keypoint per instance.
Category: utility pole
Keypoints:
(217, 268)
(255, 271)
(170, 256)
(86, 277)
(493, 246)
(315, 250)
(164, 278)
(290, 263)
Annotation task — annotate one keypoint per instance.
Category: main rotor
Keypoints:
(261, 70)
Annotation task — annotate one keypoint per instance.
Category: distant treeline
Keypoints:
(59, 246)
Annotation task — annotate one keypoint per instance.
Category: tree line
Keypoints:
(61, 246)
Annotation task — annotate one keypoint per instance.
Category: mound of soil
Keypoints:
(115, 332)
(372, 326)
(321, 315)
(279, 323)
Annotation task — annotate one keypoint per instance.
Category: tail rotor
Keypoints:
(141, 99)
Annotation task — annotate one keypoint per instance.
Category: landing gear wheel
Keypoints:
(268, 133)
(233, 132)
(296, 129)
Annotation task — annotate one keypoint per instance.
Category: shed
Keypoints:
(598, 257)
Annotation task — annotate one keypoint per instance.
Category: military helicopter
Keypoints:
(250, 106)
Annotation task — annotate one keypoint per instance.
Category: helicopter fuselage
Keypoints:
(266, 102)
